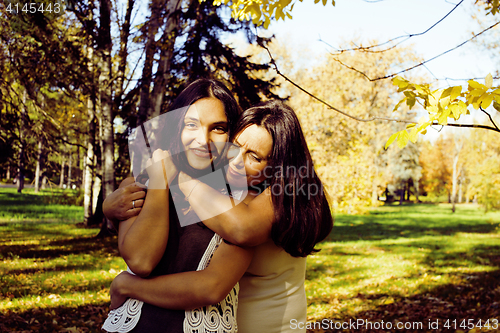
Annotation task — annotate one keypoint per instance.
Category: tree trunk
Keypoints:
(123, 54)
(147, 71)
(167, 52)
(417, 190)
(61, 176)
(401, 193)
(44, 182)
(89, 160)
(407, 190)
(38, 166)
(96, 189)
(70, 165)
(105, 98)
(455, 174)
(460, 192)
(22, 145)
(89, 166)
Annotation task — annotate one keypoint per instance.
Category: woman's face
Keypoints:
(248, 164)
(205, 132)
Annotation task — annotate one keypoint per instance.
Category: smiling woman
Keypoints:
(205, 132)
(255, 147)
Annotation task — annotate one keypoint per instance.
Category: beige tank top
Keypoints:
(272, 295)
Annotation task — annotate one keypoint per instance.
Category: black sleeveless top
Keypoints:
(185, 248)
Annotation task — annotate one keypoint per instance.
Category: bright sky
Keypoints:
(384, 20)
(387, 19)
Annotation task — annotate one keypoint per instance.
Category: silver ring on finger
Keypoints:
(133, 204)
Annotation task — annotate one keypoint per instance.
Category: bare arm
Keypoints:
(142, 239)
(186, 290)
(118, 205)
(246, 224)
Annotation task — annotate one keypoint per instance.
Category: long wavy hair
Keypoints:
(302, 215)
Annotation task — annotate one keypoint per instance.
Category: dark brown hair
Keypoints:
(302, 219)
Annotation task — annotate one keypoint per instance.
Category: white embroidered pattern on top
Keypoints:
(124, 318)
(218, 318)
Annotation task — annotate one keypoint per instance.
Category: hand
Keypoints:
(125, 202)
(159, 167)
(115, 290)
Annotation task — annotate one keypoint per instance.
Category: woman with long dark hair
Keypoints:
(154, 242)
(284, 216)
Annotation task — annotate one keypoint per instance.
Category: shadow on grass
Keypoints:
(88, 318)
(63, 247)
(477, 298)
(411, 220)
(474, 296)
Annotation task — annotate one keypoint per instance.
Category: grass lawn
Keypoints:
(409, 264)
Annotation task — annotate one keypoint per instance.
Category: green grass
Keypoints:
(399, 263)
(398, 254)
(47, 205)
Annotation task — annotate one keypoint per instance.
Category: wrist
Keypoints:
(122, 284)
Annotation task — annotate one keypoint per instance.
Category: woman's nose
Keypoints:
(238, 160)
(202, 137)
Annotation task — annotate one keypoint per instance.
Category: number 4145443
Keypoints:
(471, 324)
(34, 7)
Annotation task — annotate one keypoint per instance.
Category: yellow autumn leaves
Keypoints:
(441, 104)
(260, 12)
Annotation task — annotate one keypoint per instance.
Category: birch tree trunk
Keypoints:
(38, 166)
(61, 175)
(455, 173)
(105, 110)
(89, 166)
(22, 144)
(167, 52)
(89, 160)
(105, 98)
(147, 71)
(123, 54)
(70, 165)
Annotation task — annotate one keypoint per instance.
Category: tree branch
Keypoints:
(273, 62)
(469, 125)
(325, 103)
(368, 48)
(491, 119)
(418, 65)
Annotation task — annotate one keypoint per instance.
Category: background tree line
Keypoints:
(68, 80)
(75, 83)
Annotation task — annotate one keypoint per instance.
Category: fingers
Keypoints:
(136, 204)
(135, 187)
(159, 154)
(135, 190)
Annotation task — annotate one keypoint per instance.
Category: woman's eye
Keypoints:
(190, 125)
(220, 130)
(255, 158)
